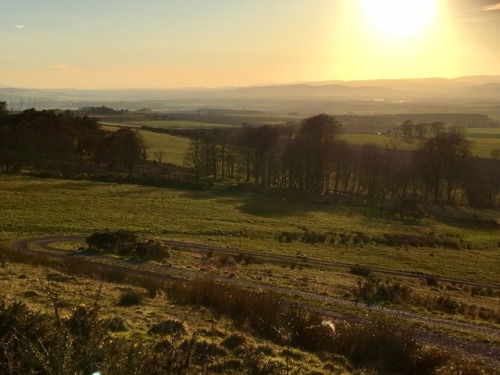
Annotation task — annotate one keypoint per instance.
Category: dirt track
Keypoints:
(481, 347)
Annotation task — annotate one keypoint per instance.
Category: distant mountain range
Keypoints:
(485, 87)
(475, 88)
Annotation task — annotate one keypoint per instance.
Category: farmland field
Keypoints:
(176, 124)
(483, 147)
(483, 132)
(380, 140)
(484, 141)
(170, 149)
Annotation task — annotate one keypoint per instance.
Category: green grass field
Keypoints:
(484, 140)
(169, 148)
(476, 132)
(380, 140)
(177, 124)
(483, 147)
(249, 221)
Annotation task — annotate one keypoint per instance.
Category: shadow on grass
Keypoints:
(257, 201)
(466, 217)
(25, 183)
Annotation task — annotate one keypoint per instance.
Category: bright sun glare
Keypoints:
(398, 18)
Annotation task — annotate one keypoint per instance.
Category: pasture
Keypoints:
(177, 124)
(161, 147)
(165, 148)
(379, 140)
(244, 220)
(484, 140)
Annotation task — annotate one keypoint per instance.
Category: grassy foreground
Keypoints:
(118, 329)
(241, 219)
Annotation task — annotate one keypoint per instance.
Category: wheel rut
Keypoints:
(441, 334)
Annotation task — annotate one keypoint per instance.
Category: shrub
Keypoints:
(152, 285)
(225, 261)
(313, 237)
(204, 350)
(431, 281)
(112, 242)
(130, 298)
(115, 324)
(249, 259)
(373, 290)
(128, 244)
(35, 343)
(82, 321)
(387, 347)
(151, 250)
(447, 304)
(167, 327)
(360, 271)
(287, 237)
(234, 341)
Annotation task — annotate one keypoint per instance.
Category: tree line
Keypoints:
(54, 139)
(309, 158)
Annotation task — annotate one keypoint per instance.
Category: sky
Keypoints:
(96, 44)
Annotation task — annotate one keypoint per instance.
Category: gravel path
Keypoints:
(441, 335)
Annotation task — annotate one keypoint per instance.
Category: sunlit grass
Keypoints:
(170, 149)
(248, 221)
(26, 283)
(483, 147)
(494, 132)
(484, 141)
(160, 146)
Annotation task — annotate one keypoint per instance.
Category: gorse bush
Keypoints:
(35, 343)
(373, 290)
(81, 343)
(360, 271)
(112, 242)
(127, 243)
(362, 239)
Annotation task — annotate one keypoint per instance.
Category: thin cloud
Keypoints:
(61, 67)
(492, 7)
(19, 27)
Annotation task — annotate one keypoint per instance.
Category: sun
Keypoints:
(399, 18)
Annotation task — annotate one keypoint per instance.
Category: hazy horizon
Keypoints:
(496, 79)
(222, 44)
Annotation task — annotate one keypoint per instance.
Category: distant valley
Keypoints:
(474, 94)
